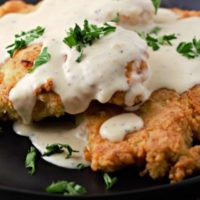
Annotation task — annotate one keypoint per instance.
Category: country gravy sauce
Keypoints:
(103, 65)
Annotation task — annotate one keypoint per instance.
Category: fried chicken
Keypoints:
(48, 102)
(16, 7)
(163, 147)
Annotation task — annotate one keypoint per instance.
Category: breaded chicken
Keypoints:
(186, 13)
(164, 142)
(16, 6)
(103, 154)
(189, 161)
(48, 102)
(169, 136)
(164, 146)
(186, 165)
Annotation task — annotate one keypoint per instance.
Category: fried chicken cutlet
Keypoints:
(165, 121)
(164, 146)
(48, 102)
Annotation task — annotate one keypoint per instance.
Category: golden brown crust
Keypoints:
(163, 147)
(16, 6)
(186, 13)
(166, 136)
(105, 155)
(48, 103)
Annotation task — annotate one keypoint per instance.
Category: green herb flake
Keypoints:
(155, 41)
(189, 50)
(59, 148)
(42, 59)
(66, 188)
(156, 4)
(116, 19)
(155, 30)
(30, 160)
(81, 166)
(24, 38)
(80, 38)
(109, 182)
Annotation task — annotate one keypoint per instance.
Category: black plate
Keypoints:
(15, 181)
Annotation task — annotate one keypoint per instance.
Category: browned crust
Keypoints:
(16, 6)
(186, 13)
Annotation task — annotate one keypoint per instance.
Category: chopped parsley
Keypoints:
(81, 166)
(80, 38)
(190, 50)
(43, 58)
(155, 41)
(156, 4)
(155, 30)
(24, 38)
(66, 188)
(109, 182)
(59, 148)
(116, 19)
(30, 160)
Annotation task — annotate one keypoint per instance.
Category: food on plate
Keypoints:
(126, 74)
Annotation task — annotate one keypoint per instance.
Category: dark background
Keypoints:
(187, 4)
(13, 175)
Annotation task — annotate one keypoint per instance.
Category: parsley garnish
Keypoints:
(67, 188)
(109, 181)
(30, 160)
(80, 38)
(24, 38)
(81, 166)
(59, 148)
(116, 19)
(43, 58)
(155, 41)
(190, 50)
(156, 4)
(155, 30)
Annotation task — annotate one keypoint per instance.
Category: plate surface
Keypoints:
(14, 177)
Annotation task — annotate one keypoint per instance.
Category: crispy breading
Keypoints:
(169, 136)
(48, 103)
(164, 119)
(105, 155)
(187, 164)
(163, 146)
(186, 13)
(16, 6)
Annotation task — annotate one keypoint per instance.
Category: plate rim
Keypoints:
(160, 188)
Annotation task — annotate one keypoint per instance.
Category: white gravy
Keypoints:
(169, 68)
(102, 71)
(44, 134)
(116, 128)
